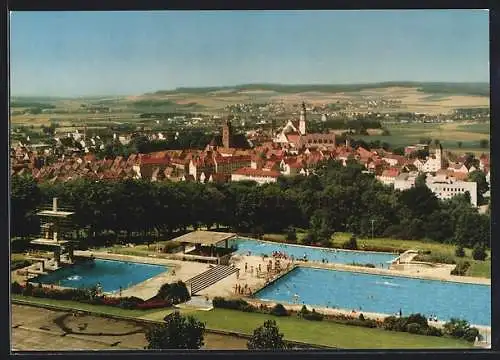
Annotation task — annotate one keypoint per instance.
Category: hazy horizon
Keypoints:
(78, 54)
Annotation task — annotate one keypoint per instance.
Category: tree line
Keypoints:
(336, 199)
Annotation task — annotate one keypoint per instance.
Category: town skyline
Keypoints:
(138, 52)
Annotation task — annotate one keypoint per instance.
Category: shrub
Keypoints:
(234, 304)
(395, 324)
(456, 327)
(314, 316)
(479, 252)
(16, 288)
(471, 334)
(361, 317)
(461, 329)
(433, 331)
(279, 310)
(28, 289)
(413, 328)
(417, 319)
(176, 292)
(461, 268)
(38, 292)
(303, 311)
(291, 235)
(459, 251)
(351, 244)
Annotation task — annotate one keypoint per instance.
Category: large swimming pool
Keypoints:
(382, 294)
(110, 274)
(257, 247)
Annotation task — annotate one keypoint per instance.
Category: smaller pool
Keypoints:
(110, 274)
(257, 247)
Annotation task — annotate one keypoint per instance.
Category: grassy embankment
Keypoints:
(320, 333)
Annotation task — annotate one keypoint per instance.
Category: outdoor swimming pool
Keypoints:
(110, 274)
(313, 254)
(382, 294)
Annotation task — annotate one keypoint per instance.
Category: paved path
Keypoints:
(39, 329)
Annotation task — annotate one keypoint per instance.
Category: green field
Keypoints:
(449, 134)
(320, 333)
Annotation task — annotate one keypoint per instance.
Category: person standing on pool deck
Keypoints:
(400, 313)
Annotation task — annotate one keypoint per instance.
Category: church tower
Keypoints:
(439, 156)
(302, 121)
(227, 134)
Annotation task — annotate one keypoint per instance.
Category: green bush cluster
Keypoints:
(279, 310)
(233, 304)
(459, 251)
(461, 329)
(461, 268)
(89, 296)
(310, 315)
(291, 235)
(479, 252)
(175, 293)
(351, 244)
(415, 324)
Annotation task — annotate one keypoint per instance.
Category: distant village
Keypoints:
(290, 151)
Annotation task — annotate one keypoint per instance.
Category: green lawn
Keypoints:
(323, 332)
(320, 333)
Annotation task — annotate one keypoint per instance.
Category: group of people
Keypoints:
(242, 290)
(280, 255)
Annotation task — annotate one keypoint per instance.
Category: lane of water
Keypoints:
(111, 274)
(383, 294)
(313, 254)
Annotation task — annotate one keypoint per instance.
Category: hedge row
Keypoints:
(414, 323)
(89, 296)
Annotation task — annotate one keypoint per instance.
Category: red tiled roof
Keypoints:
(154, 161)
(296, 165)
(392, 172)
(256, 172)
(293, 138)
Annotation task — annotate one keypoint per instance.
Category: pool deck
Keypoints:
(185, 270)
(439, 272)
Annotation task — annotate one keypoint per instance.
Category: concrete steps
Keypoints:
(210, 277)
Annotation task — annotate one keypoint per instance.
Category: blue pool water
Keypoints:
(382, 294)
(110, 274)
(313, 254)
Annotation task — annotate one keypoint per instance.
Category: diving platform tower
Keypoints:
(54, 224)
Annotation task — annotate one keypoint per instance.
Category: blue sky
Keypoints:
(117, 53)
